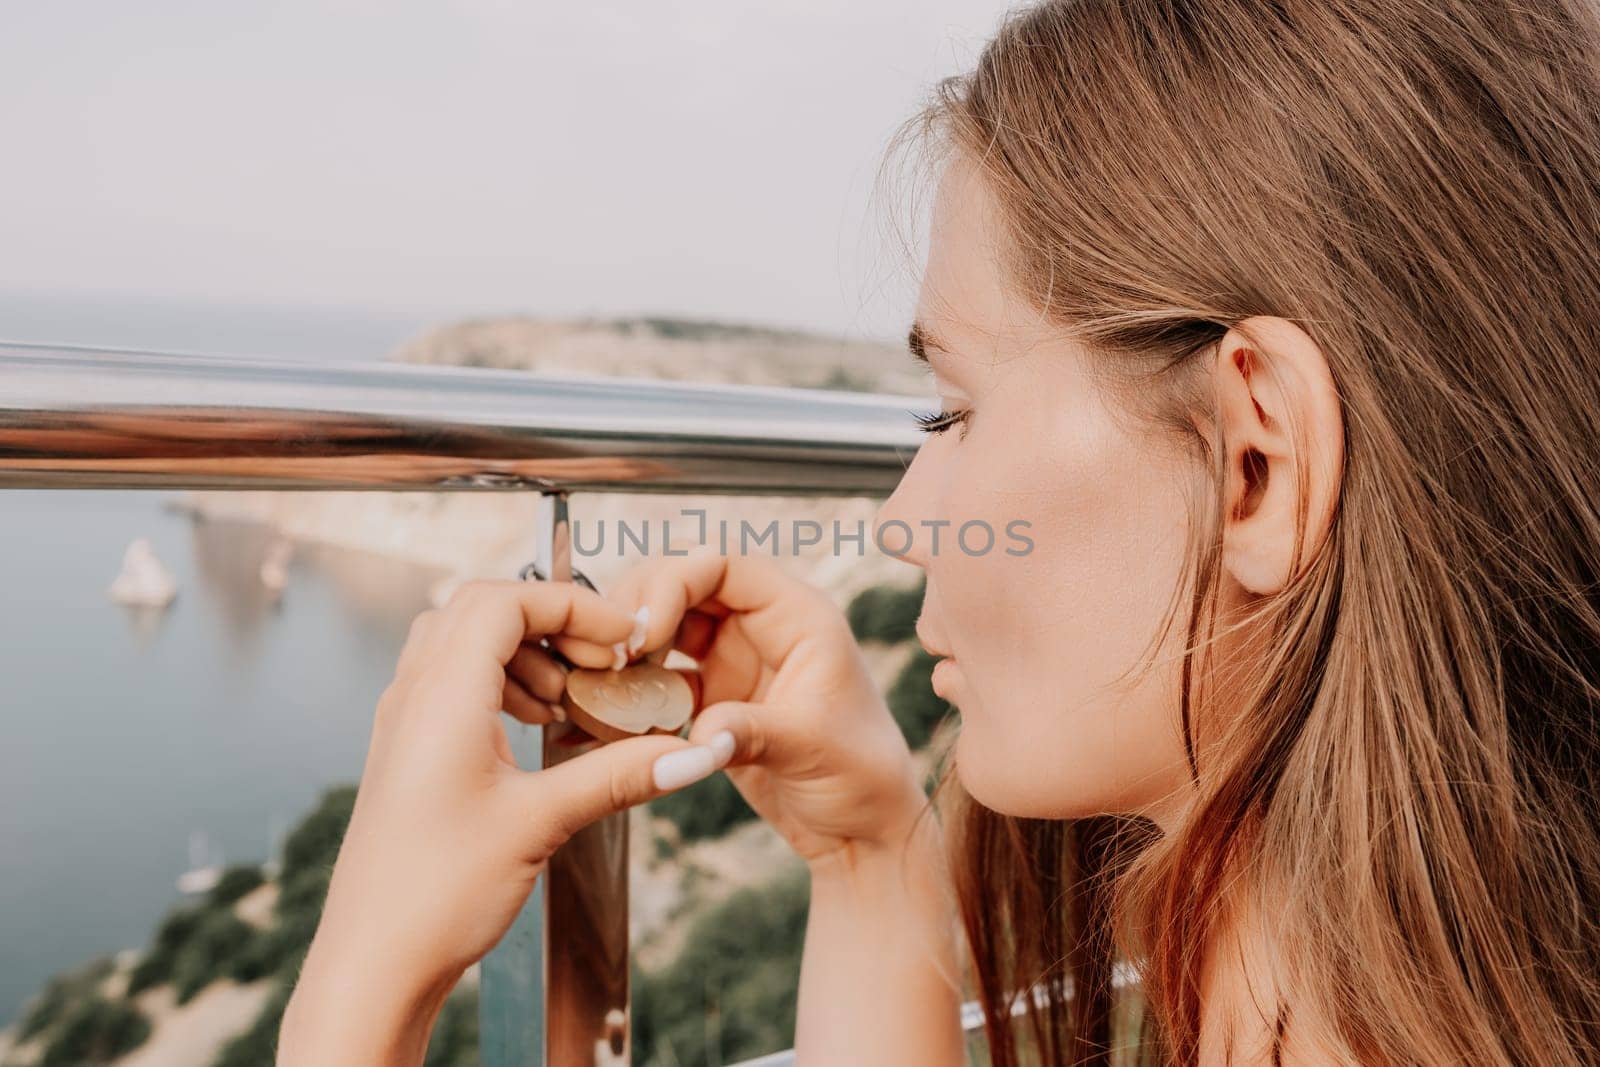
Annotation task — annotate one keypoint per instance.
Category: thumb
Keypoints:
(557, 802)
(752, 733)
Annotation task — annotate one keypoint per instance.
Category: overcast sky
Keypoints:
(710, 158)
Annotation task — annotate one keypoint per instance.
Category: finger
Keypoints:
(693, 635)
(697, 685)
(617, 656)
(551, 805)
(733, 668)
(522, 705)
(498, 616)
(538, 672)
(658, 626)
(676, 602)
(420, 636)
(775, 610)
(696, 633)
(584, 653)
(748, 733)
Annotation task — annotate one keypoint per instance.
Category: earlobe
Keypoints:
(1283, 435)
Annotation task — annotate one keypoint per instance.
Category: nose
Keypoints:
(897, 526)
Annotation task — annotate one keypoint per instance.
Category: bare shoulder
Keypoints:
(1249, 1017)
(1241, 1003)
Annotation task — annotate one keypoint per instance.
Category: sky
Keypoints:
(413, 162)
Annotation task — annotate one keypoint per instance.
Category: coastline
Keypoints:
(467, 535)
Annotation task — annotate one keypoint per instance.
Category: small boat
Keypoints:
(144, 580)
(279, 835)
(205, 869)
(275, 566)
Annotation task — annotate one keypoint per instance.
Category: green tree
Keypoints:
(174, 932)
(55, 1000)
(314, 843)
(234, 883)
(730, 994)
(916, 707)
(95, 1030)
(209, 951)
(886, 613)
(708, 808)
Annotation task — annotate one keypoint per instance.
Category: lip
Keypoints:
(940, 676)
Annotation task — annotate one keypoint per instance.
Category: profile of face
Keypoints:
(1089, 526)
(1069, 704)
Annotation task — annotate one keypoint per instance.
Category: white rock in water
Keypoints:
(144, 579)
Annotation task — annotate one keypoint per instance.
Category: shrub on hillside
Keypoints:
(174, 932)
(708, 808)
(886, 613)
(916, 707)
(209, 951)
(730, 994)
(234, 883)
(259, 1044)
(94, 1031)
(55, 1000)
(314, 843)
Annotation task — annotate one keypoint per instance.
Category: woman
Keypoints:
(1275, 321)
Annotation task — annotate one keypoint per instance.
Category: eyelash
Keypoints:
(940, 421)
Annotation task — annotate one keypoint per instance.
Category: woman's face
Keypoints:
(1089, 526)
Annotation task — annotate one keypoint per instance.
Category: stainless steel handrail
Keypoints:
(75, 417)
(95, 418)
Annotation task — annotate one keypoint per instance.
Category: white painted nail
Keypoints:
(722, 744)
(641, 619)
(678, 769)
(619, 656)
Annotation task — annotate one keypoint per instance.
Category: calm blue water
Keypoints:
(121, 734)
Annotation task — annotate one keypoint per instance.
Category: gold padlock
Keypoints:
(640, 698)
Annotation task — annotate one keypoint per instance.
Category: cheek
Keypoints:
(1049, 728)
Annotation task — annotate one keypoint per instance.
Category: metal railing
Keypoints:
(555, 991)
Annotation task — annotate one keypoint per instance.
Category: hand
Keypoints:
(447, 834)
(816, 752)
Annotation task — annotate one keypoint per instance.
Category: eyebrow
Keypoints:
(920, 339)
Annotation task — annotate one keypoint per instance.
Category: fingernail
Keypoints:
(619, 656)
(722, 744)
(678, 769)
(558, 711)
(641, 619)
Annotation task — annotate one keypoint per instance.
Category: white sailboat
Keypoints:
(275, 565)
(205, 866)
(144, 580)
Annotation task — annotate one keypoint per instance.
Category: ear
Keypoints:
(1283, 428)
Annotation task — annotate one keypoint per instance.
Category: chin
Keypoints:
(976, 773)
(1004, 783)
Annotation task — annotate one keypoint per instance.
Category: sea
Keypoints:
(137, 742)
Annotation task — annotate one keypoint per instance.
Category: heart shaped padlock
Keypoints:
(639, 698)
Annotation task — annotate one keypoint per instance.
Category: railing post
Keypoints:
(555, 990)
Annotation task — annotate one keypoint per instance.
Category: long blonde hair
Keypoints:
(1410, 779)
